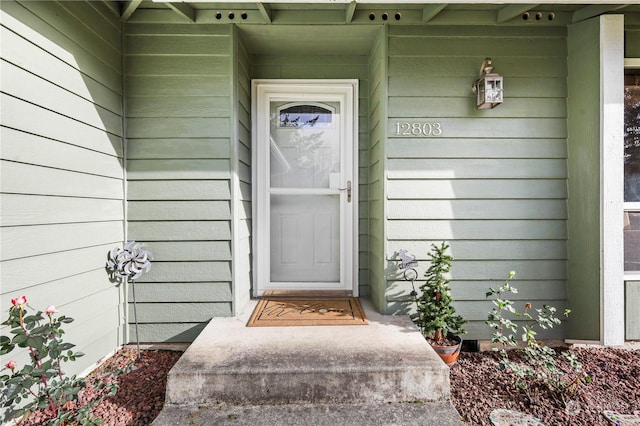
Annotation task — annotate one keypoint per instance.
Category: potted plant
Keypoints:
(437, 317)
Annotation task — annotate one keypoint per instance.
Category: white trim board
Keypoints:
(612, 325)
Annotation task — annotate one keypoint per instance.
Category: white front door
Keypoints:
(304, 187)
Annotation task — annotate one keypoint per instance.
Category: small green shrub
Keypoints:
(437, 316)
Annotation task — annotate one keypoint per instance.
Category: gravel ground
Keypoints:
(478, 387)
(140, 397)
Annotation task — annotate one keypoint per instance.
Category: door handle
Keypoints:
(348, 189)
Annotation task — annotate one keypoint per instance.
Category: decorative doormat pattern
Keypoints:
(283, 311)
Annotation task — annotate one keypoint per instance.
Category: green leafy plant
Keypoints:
(42, 384)
(539, 364)
(437, 316)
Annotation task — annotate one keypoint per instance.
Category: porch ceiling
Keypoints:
(372, 11)
(347, 27)
(305, 40)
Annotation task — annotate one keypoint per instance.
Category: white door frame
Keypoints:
(262, 92)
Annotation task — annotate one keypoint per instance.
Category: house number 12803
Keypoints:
(406, 128)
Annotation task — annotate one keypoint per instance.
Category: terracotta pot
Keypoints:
(448, 353)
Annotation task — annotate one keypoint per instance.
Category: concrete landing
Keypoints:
(258, 371)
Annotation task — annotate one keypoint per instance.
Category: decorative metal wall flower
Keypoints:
(129, 263)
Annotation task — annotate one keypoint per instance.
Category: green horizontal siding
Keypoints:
(376, 170)
(24, 116)
(179, 174)
(30, 149)
(20, 178)
(632, 310)
(434, 106)
(491, 127)
(187, 271)
(411, 43)
(495, 249)
(156, 190)
(186, 312)
(75, 42)
(179, 148)
(494, 182)
(477, 209)
(472, 168)
(199, 66)
(478, 188)
(178, 106)
(41, 92)
(476, 290)
(25, 272)
(27, 209)
(241, 186)
(177, 85)
(584, 163)
(166, 127)
(192, 250)
(480, 330)
(170, 332)
(34, 240)
(62, 190)
(170, 169)
(477, 148)
(632, 41)
(179, 210)
(477, 229)
(56, 66)
(202, 292)
(187, 230)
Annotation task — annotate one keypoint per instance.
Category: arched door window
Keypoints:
(297, 115)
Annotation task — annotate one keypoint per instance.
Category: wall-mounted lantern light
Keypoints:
(488, 87)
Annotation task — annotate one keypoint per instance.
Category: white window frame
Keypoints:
(631, 206)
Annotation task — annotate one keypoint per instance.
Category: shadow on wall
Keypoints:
(62, 165)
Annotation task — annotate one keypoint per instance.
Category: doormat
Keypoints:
(279, 311)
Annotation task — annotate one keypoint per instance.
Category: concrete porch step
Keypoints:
(440, 413)
(385, 361)
(381, 373)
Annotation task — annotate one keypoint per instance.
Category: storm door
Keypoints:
(304, 188)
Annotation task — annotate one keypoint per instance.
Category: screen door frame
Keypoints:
(313, 91)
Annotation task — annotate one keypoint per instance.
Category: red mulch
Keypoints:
(477, 387)
(140, 397)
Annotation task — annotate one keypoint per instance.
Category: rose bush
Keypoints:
(42, 383)
(539, 366)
